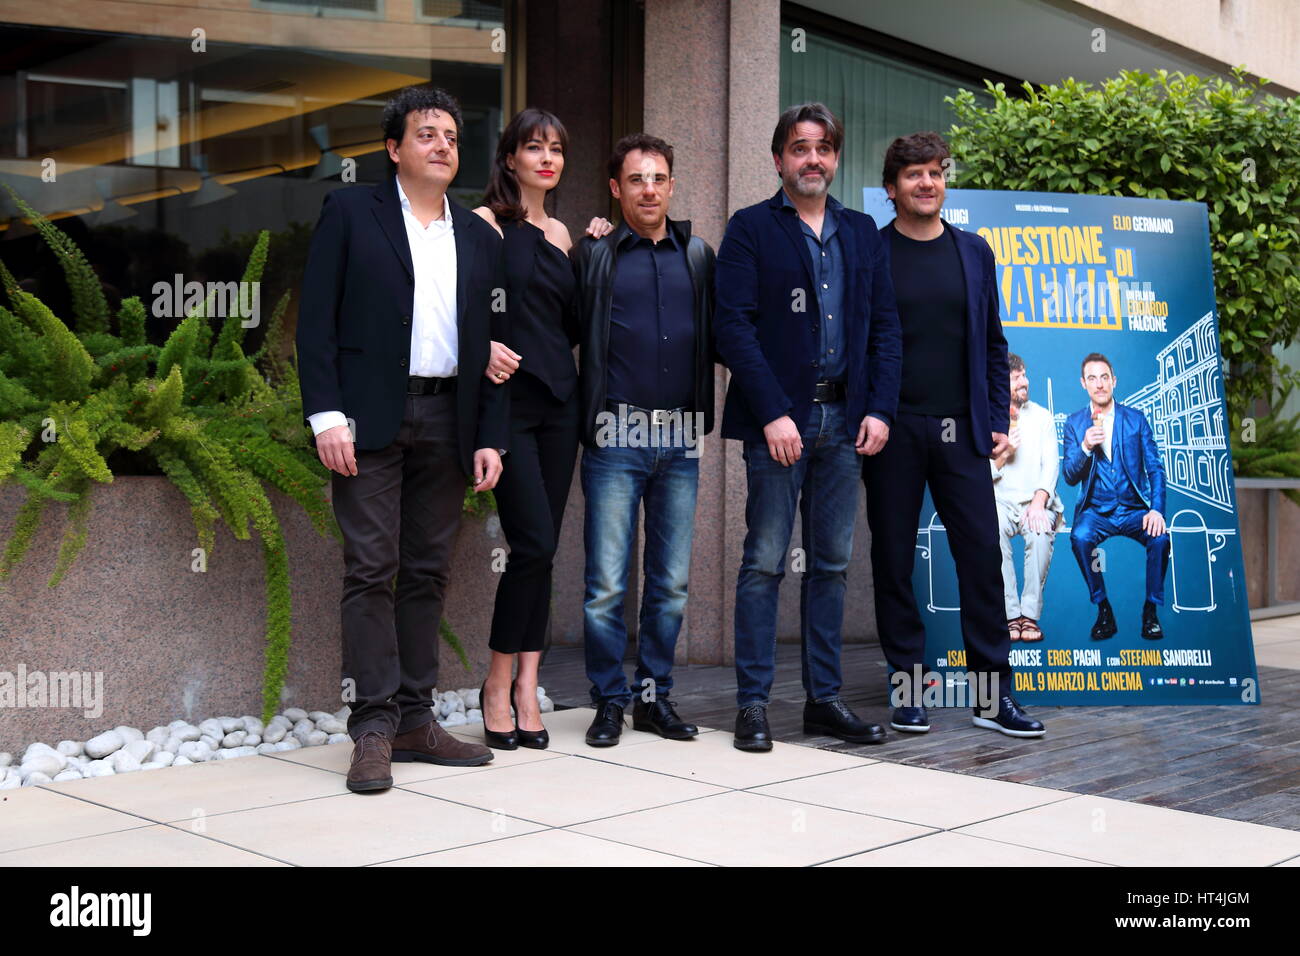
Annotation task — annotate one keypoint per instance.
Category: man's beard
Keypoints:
(1018, 401)
(811, 186)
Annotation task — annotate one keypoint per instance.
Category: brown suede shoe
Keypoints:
(370, 768)
(432, 744)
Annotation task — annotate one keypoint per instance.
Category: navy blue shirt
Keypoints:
(651, 325)
(828, 283)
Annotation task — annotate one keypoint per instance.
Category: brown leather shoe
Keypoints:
(432, 744)
(370, 768)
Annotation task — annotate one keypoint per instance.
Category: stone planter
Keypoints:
(1253, 517)
(168, 642)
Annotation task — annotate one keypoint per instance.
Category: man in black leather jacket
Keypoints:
(645, 295)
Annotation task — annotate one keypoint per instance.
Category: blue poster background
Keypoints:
(1132, 279)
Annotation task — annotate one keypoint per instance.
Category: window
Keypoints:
(876, 98)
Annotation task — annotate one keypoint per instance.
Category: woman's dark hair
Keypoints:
(638, 141)
(807, 113)
(502, 195)
(416, 99)
(911, 151)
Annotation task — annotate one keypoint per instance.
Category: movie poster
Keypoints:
(1131, 280)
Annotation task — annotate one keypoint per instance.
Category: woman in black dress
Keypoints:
(538, 362)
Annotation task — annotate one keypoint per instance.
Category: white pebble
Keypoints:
(331, 726)
(99, 768)
(455, 720)
(252, 740)
(182, 762)
(252, 724)
(318, 715)
(316, 738)
(70, 748)
(37, 748)
(124, 762)
(164, 757)
(195, 750)
(36, 778)
(267, 748)
(69, 774)
(47, 764)
(338, 739)
(141, 750)
(234, 739)
(231, 724)
(212, 728)
(295, 714)
(343, 713)
(474, 716)
(6, 759)
(105, 744)
(289, 743)
(274, 733)
(129, 733)
(214, 743)
(546, 705)
(187, 732)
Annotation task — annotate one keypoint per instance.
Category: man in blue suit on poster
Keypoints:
(1111, 453)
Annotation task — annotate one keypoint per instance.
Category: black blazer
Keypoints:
(986, 345)
(771, 348)
(354, 320)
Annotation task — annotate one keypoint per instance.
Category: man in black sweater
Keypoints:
(953, 415)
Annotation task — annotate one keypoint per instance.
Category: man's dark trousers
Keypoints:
(390, 635)
(939, 451)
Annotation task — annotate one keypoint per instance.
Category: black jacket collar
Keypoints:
(680, 229)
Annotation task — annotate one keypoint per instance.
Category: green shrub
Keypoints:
(1227, 144)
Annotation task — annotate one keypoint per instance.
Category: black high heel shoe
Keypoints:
(532, 739)
(499, 741)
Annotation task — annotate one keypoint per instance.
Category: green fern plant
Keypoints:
(222, 425)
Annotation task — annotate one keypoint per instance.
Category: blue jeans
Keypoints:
(824, 484)
(615, 481)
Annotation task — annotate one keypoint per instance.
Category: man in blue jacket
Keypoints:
(805, 321)
(953, 415)
(1111, 452)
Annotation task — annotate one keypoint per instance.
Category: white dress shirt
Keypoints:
(1035, 465)
(1108, 427)
(434, 342)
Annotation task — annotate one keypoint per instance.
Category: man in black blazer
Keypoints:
(394, 327)
(953, 415)
(806, 323)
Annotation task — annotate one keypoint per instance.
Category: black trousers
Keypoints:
(399, 514)
(939, 451)
(530, 496)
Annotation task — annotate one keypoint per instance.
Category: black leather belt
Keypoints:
(829, 392)
(657, 416)
(417, 385)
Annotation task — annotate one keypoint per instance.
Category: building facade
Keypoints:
(163, 135)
